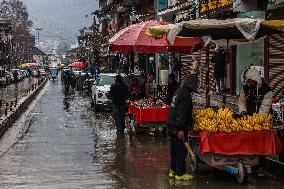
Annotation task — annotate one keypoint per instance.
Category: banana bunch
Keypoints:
(223, 121)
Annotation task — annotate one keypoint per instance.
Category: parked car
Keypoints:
(100, 91)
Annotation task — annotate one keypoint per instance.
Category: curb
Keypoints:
(7, 121)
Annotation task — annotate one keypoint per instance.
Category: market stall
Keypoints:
(149, 113)
(232, 143)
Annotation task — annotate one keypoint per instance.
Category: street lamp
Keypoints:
(38, 29)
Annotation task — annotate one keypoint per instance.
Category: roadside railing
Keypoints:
(9, 104)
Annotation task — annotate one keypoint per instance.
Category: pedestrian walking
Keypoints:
(119, 94)
(179, 123)
(15, 75)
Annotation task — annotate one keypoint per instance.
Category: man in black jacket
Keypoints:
(119, 94)
(179, 122)
(219, 61)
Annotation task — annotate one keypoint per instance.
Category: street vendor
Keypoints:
(256, 96)
(179, 122)
(135, 90)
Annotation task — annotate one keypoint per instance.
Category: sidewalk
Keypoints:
(12, 94)
(216, 100)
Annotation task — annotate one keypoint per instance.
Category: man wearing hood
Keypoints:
(119, 94)
(256, 96)
(179, 122)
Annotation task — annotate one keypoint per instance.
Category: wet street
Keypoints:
(61, 143)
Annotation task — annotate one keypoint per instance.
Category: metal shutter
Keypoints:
(276, 63)
(187, 63)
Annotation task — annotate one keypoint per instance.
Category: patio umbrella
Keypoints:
(80, 65)
(33, 65)
(23, 66)
(133, 38)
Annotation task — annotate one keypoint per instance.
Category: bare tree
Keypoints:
(23, 41)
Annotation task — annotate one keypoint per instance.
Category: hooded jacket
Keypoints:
(119, 93)
(180, 114)
(256, 99)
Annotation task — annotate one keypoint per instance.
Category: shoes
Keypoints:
(186, 176)
(171, 173)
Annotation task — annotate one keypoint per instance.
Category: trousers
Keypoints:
(119, 117)
(178, 154)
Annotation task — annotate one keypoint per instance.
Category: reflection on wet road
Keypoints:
(66, 145)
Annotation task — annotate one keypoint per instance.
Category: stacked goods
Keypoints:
(149, 103)
(223, 121)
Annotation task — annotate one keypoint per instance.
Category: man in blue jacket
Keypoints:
(179, 123)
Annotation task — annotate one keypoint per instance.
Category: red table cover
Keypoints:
(145, 115)
(243, 143)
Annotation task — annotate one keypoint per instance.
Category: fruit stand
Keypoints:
(231, 143)
(149, 113)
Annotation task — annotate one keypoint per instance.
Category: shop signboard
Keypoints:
(214, 5)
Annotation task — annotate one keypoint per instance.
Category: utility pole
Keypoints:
(38, 29)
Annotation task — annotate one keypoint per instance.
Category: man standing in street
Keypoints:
(119, 94)
(219, 61)
(179, 123)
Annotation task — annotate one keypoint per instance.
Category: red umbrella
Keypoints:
(133, 38)
(80, 65)
(32, 65)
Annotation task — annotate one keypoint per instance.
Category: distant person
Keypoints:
(15, 75)
(135, 90)
(219, 60)
(172, 87)
(119, 94)
(195, 65)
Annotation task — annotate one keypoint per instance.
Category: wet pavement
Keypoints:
(60, 143)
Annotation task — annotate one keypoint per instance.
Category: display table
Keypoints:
(242, 143)
(149, 115)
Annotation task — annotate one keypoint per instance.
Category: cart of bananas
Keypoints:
(223, 121)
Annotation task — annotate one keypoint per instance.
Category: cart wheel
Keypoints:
(194, 164)
(241, 175)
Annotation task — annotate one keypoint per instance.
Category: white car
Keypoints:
(100, 91)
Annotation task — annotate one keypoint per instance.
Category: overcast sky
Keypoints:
(61, 18)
